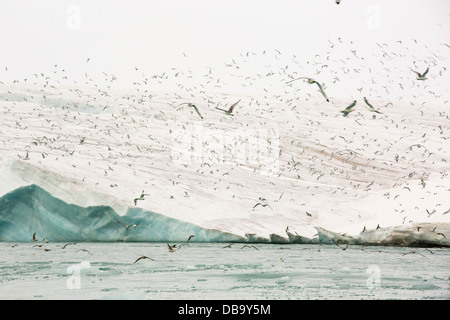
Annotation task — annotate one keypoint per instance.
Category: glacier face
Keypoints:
(31, 209)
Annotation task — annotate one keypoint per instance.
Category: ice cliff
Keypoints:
(31, 209)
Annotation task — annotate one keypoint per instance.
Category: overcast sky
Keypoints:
(155, 35)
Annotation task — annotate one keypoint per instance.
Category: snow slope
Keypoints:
(286, 167)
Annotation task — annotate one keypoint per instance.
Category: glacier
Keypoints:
(287, 167)
(32, 210)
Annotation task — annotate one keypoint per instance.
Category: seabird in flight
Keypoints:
(68, 244)
(247, 246)
(347, 110)
(311, 81)
(190, 237)
(193, 106)
(342, 247)
(371, 108)
(413, 252)
(261, 204)
(141, 197)
(230, 110)
(84, 251)
(171, 248)
(143, 257)
(421, 76)
(127, 226)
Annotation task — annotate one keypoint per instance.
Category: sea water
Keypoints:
(217, 271)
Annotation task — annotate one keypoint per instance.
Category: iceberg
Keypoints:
(31, 209)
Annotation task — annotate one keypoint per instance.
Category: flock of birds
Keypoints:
(133, 133)
(346, 111)
(171, 247)
(174, 247)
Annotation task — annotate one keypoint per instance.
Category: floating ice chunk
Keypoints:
(31, 209)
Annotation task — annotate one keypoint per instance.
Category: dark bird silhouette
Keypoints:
(190, 237)
(247, 246)
(343, 248)
(413, 252)
(84, 250)
(68, 244)
(143, 257)
(171, 248)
